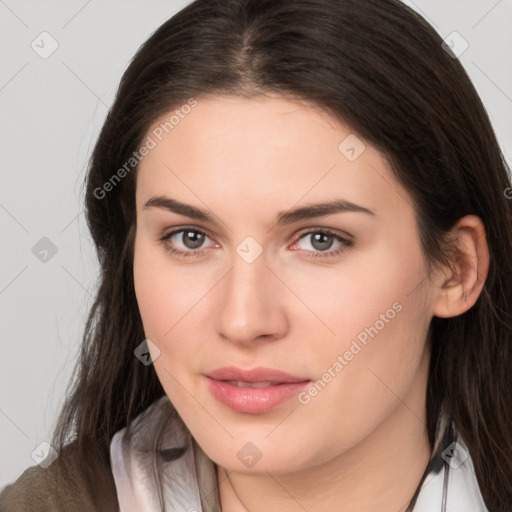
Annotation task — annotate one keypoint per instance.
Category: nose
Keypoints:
(251, 307)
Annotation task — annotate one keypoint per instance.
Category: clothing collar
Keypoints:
(189, 482)
(449, 482)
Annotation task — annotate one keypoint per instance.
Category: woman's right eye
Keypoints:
(187, 242)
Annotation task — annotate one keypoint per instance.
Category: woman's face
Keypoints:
(257, 273)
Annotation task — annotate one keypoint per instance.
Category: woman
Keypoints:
(300, 211)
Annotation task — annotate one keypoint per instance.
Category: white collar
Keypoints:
(132, 460)
(462, 491)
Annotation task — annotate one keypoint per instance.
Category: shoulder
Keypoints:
(71, 483)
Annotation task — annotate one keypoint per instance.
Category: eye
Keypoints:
(322, 243)
(187, 241)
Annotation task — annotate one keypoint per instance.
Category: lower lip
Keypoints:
(254, 400)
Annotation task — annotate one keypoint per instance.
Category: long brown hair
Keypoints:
(381, 69)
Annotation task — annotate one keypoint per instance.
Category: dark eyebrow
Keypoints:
(320, 210)
(180, 208)
(283, 218)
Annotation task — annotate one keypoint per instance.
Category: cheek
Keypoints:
(150, 286)
(348, 299)
(380, 316)
(164, 297)
(165, 292)
(360, 384)
(173, 305)
(383, 292)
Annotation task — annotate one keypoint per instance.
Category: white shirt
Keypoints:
(192, 476)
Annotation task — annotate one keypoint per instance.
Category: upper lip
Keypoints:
(259, 374)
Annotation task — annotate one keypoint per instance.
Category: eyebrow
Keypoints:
(166, 203)
(283, 218)
(320, 210)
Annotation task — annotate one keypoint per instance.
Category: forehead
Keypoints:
(259, 151)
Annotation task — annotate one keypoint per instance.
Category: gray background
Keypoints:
(51, 111)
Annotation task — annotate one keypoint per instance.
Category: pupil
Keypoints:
(321, 241)
(193, 239)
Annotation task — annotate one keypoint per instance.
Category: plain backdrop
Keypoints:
(51, 111)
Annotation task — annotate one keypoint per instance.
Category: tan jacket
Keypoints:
(62, 487)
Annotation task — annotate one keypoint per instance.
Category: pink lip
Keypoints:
(259, 374)
(253, 400)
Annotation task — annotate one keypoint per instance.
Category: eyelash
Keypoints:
(177, 252)
(346, 244)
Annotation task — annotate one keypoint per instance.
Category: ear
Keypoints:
(460, 286)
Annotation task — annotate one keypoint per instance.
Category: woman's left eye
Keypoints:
(322, 243)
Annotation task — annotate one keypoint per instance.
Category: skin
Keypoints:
(245, 161)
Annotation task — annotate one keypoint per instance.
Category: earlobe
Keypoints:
(460, 287)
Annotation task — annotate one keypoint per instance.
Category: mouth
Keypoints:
(256, 391)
